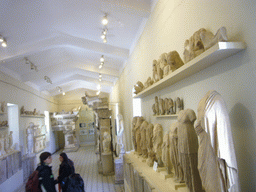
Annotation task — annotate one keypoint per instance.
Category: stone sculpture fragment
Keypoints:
(143, 142)
(188, 147)
(149, 139)
(174, 60)
(157, 143)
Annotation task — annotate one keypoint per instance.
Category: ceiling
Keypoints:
(62, 39)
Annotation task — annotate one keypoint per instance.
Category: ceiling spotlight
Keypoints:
(4, 43)
(98, 92)
(100, 79)
(103, 36)
(47, 79)
(105, 40)
(104, 20)
(100, 66)
(63, 93)
(102, 58)
(1, 38)
(100, 75)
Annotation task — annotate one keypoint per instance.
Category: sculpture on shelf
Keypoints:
(188, 147)
(171, 106)
(157, 71)
(174, 153)
(138, 87)
(106, 143)
(209, 39)
(148, 83)
(162, 62)
(143, 142)
(166, 153)
(134, 121)
(179, 104)
(10, 138)
(174, 60)
(214, 119)
(138, 135)
(193, 46)
(30, 138)
(166, 70)
(3, 106)
(2, 151)
(156, 106)
(149, 141)
(157, 143)
(166, 106)
(6, 143)
(120, 136)
(161, 107)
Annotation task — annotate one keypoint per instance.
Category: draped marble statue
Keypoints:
(134, 121)
(30, 138)
(2, 151)
(174, 154)
(214, 119)
(120, 136)
(149, 139)
(106, 143)
(143, 142)
(138, 134)
(188, 147)
(157, 143)
(166, 153)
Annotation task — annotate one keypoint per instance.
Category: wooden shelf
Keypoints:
(161, 116)
(218, 52)
(33, 116)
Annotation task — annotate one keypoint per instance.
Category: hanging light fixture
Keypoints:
(3, 41)
(102, 59)
(104, 20)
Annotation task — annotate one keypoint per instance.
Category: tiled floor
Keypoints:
(85, 161)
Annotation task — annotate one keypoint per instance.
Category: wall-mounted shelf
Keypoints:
(218, 52)
(33, 116)
(161, 116)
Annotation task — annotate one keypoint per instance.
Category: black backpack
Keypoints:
(32, 184)
(75, 183)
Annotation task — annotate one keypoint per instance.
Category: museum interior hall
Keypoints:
(141, 95)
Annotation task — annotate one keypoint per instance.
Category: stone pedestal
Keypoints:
(119, 171)
(107, 164)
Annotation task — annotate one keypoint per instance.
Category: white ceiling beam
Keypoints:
(64, 41)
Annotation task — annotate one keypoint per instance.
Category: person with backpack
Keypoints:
(75, 183)
(46, 178)
(66, 169)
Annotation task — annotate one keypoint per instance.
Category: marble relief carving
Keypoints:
(143, 142)
(138, 134)
(166, 153)
(149, 141)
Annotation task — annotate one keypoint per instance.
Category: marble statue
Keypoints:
(188, 147)
(174, 153)
(209, 39)
(171, 106)
(174, 60)
(166, 153)
(10, 138)
(157, 71)
(149, 141)
(143, 141)
(138, 135)
(207, 162)
(193, 46)
(166, 106)
(30, 138)
(6, 143)
(179, 105)
(157, 106)
(120, 135)
(214, 119)
(162, 61)
(106, 143)
(134, 121)
(166, 70)
(138, 87)
(2, 151)
(149, 82)
(161, 107)
(157, 143)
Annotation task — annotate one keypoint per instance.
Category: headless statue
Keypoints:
(214, 119)
(157, 143)
(149, 138)
(188, 147)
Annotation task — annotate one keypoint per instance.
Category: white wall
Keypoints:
(170, 24)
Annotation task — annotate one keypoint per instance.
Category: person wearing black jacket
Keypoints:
(66, 169)
(46, 178)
